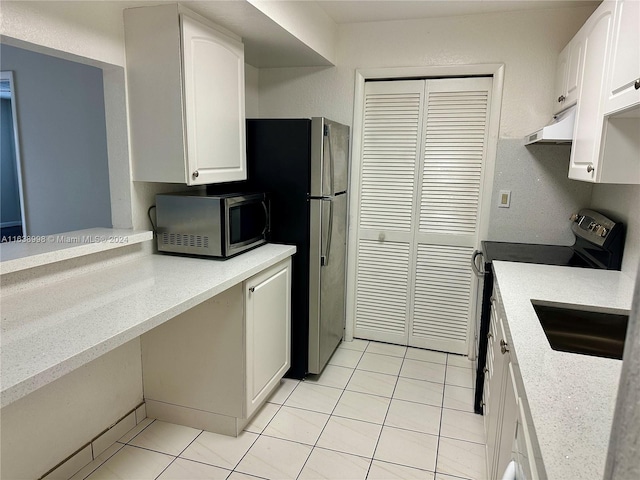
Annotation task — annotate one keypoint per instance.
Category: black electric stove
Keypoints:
(599, 244)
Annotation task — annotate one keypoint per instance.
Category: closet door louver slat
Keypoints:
(442, 296)
(392, 131)
(455, 132)
(453, 159)
(389, 157)
(382, 288)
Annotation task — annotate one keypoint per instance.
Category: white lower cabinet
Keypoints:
(214, 365)
(268, 332)
(502, 400)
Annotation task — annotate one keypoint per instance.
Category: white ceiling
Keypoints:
(356, 11)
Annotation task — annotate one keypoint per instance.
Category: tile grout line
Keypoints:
(444, 387)
(181, 452)
(331, 414)
(117, 441)
(260, 434)
(387, 413)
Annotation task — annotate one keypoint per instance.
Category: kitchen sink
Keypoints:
(576, 329)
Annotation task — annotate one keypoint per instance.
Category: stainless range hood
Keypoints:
(560, 130)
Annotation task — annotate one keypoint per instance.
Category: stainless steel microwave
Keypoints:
(221, 226)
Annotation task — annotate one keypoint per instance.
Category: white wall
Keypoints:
(88, 29)
(527, 43)
(306, 21)
(46, 426)
(251, 82)
(622, 202)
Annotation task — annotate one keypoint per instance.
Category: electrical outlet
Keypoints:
(505, 199)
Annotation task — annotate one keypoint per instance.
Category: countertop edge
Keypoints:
(64, 246)
(23, 387)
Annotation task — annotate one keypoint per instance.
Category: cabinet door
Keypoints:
(213, 66)
(268, 332)
(509, 413)
(575, 65)
(561, 79)
(587, 134)
(625, 58)
(494, 391)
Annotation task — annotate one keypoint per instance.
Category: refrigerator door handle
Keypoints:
(331, 160)
(324, 257)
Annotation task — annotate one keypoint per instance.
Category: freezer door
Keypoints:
(329, 157)
(327, 279)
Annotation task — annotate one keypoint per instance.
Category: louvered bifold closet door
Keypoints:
(391, 138)
(455, 136)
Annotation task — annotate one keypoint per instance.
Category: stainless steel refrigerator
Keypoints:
(303, 164)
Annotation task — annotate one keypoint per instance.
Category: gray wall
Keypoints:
(62, 133)
(10, 201)
(542, 196)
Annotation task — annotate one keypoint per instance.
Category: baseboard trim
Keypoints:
(98, 444)
(191, 417)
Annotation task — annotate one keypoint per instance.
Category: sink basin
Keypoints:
(576, 329)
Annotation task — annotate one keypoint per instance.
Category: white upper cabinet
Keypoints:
(560, 92)
(185, 82)
(623, 87)
(587, 134)
(606, 143)
(569, 74)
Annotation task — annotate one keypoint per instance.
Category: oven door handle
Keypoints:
(479, 273)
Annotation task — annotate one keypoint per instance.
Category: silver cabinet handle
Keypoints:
(252, 289)
(503, 346)
(195, 174)
(636, 85)
(489, 335)
(590, 168)
(561, 98)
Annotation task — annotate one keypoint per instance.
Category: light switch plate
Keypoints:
(505, 199)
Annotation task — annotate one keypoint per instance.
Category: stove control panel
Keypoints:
(592, 226)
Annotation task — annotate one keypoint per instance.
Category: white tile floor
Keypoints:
(378, 411)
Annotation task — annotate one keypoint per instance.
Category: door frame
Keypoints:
(495, 70)
(7, 75)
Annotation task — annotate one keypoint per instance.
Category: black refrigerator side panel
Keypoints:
(278, 162)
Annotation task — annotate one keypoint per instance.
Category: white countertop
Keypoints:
(38, 250)
(49, 331)
(571, 396)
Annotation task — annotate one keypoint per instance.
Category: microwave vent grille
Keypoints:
(185, 240)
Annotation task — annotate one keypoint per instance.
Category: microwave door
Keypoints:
(247, 224)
